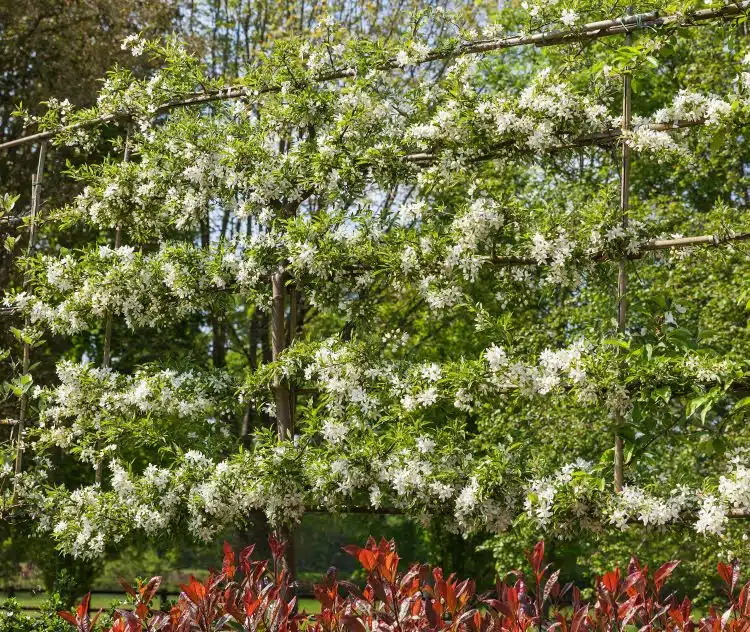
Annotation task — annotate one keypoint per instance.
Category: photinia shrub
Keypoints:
(257, 596)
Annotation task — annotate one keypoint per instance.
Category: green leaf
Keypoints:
(616, 342)
(694, 404)
(743, 403)
(629, 454)
(664, 393)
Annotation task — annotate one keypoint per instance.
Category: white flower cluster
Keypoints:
(733, 495)
(636, 503)
(491, 514)
(426, 478)
(207, 495)
(555, 253)
(472, 230)
(694, 107)
(146, 290)
(713, 509)
(134, 43)
(541, 494)
(359, 387)
(552, 371)
(628, 239)
(92, 402)
(549, 8)
(706, 368)
(645, 139)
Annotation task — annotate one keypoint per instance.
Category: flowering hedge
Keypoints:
(426, 374)
(253, 595)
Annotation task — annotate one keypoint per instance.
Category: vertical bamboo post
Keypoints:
(278, 344)
(36, 191)
(284, 421)
(622, 272)
(107, 349)
(292, 333)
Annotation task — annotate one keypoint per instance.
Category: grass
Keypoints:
(33, 600)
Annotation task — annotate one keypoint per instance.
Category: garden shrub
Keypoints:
(258, 595)
(14, 619)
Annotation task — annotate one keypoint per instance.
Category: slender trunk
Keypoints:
(278, 344)
(284, 422)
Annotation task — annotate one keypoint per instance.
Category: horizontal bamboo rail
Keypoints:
(710, 241)
(587, 140)
(657, 244)
(586, 32)
(391, 511)
(687, 242)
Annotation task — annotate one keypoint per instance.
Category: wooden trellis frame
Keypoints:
(282, 332)
(586, 32)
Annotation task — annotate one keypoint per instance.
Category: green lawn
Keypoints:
(107, 600)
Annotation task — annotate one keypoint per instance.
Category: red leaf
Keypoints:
(677, 617)
(551, 583)
(83, 609)
(70, 618)
(735, 572)
(352, 624)
(149, 590)
(432, 616)
(725, 572)
(141, 610)
(245, 557)
(663, 573)
(631, 580)
(127, 587)
(578, 619)
(277, 547)
(537, 557)
(367, 558)
(251, 606)
(130, 623)
(228, 566)
(351, 549)
(96, 617)
(195, 591)
(611, 580)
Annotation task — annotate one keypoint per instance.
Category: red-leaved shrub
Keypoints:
(257, 597)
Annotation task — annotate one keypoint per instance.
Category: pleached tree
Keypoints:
(428, 279)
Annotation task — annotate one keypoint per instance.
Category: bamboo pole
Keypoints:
(622, 272)
(689, 242)
(586, 32)
(606, 137)
(292, 333)
(708, 241)
(735, 514)
(107, 349)
(284, 427)
(36, 191)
